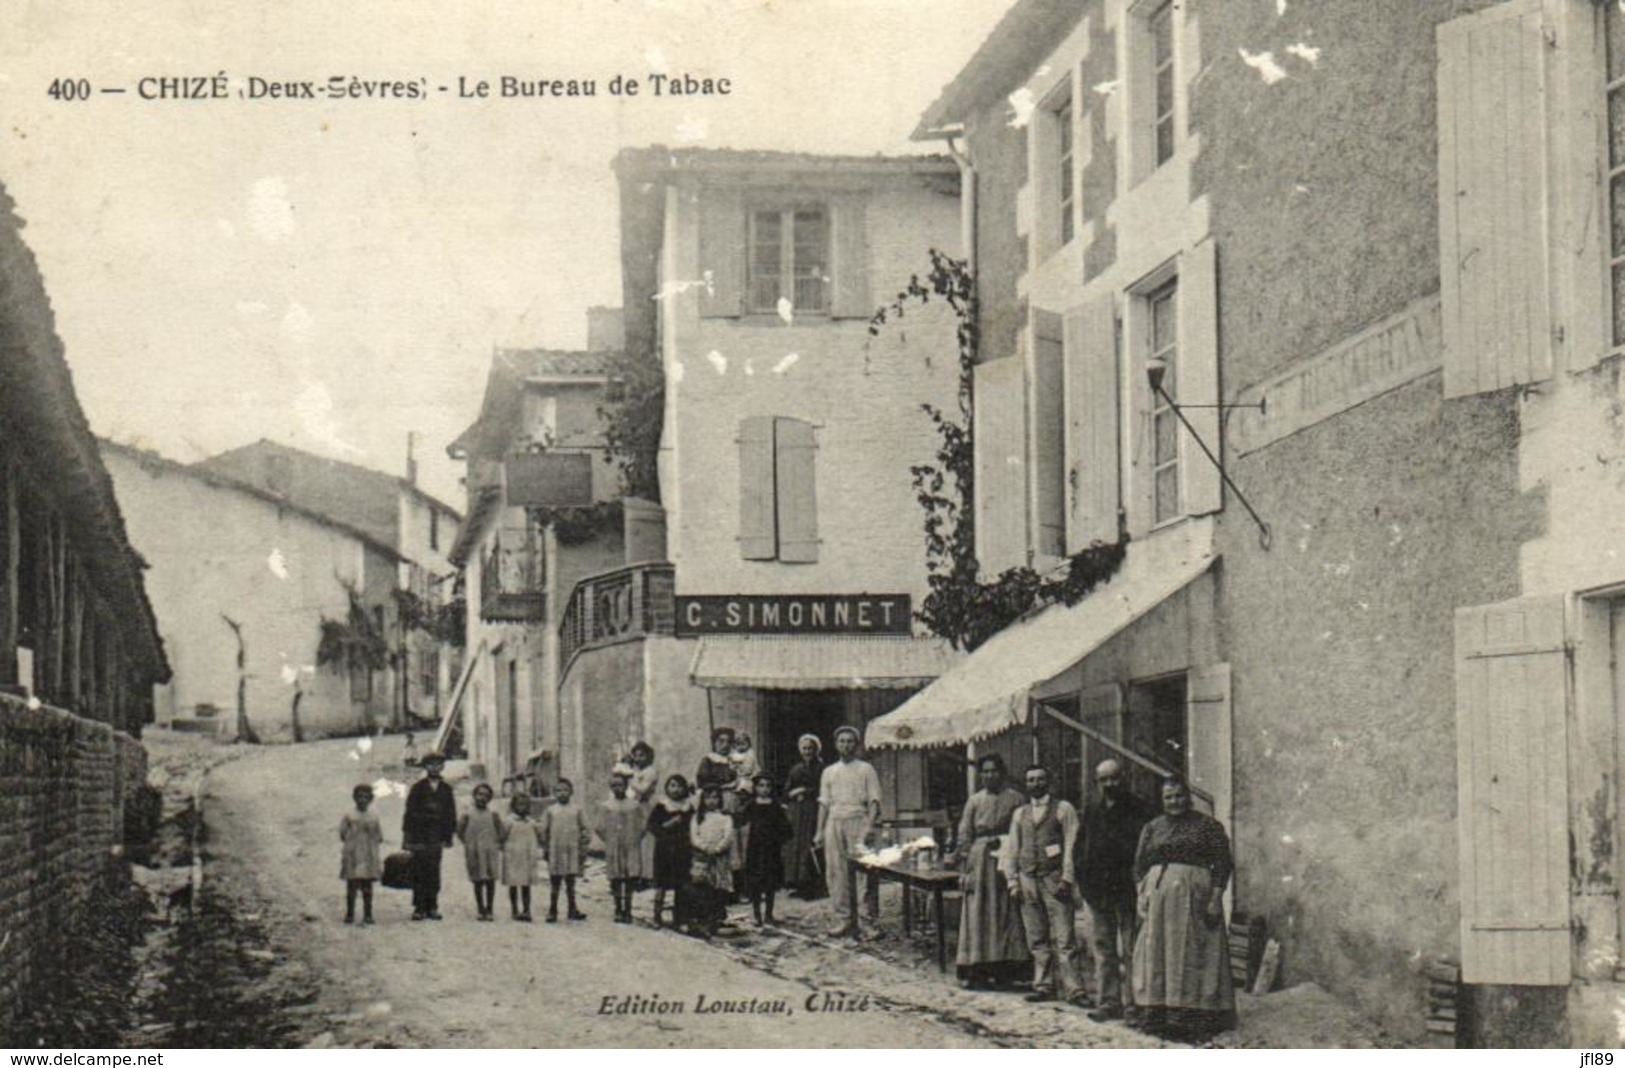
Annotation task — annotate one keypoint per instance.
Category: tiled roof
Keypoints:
(539, 363)
(1028, 32)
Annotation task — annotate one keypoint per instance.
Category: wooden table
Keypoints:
(935, 882)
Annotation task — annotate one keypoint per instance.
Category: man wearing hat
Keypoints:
(427, 828)
(848, 809)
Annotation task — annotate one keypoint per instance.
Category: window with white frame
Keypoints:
(1162, 338)
(1153, 78)
(1614, 23)
(1065, 169)
(789, 259)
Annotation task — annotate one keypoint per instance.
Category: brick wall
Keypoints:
(64, 781)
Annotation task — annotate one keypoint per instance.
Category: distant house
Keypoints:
(310, 600)
(543, 512)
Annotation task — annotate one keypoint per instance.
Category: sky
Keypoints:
(335, 274)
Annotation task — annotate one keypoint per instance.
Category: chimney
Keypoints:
(606, 330)
(411, 458)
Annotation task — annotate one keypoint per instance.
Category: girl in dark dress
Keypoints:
(767, 831)
(801, 796)
(668, 827)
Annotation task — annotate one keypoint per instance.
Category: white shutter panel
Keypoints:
(852, 297)
(796, 490)
(1001, 466)
(722, 253)
(1093, 438)
(758, 534)
(1494, 241)
(1197, 378)
(1512, 783)
(1208, 733)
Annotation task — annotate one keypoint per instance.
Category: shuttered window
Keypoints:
(1494, 164)
(1092, 447)
(1001, 466)
(1512, 691)
(815, 255)
(778, 490)
(1173, 316)
(1049, 434)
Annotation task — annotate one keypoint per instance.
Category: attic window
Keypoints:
(789, 259)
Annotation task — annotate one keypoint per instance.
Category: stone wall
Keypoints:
(64, 784)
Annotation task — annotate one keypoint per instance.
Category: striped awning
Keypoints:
(987, 691)
(820, 662)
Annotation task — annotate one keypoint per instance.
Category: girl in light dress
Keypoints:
(480, 831)
(359, 863)
(564, 843)
(620, 828)
(521, 847)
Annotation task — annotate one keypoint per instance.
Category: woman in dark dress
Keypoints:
(1181, 964)
(668, 827)
(767, 832)
(801, 796)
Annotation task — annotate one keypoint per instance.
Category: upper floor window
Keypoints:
(434, 530)
(1615, 24)
(1162, 66)
(756, 250)
(789, 259)
(1162, 321)
(1065, 176)
(778, 494)
(1153, 86)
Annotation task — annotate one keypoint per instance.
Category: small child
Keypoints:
(711, 835)
(766, 830)
(668, 827)
(409, 755)
(620, 826)
(359, 863)
(746, 766)
(480, 832)
(564, 844)
(521, 839)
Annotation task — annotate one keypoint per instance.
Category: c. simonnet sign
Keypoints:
(864, 613)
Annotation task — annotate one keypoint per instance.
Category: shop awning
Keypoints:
(986, 692)
(821, 662)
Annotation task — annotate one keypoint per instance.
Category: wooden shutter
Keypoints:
(758, 534)
(1001, 466)
(852, 298)
(1493, 198)
(1197, 381)
(1048, 408)
(722, 253)
(1207, 729)
(796, 490)
(1512, 792)
(1092, 427)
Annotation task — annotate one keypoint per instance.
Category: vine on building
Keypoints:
(961, 606)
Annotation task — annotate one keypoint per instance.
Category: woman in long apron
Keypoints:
(992, 945)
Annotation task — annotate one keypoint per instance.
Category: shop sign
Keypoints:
(863, 613)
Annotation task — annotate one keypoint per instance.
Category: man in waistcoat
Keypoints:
(1037, 862)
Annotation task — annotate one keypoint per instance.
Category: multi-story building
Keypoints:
(794, 545)
(247, 600)
(1384, 650)
(544, 510)
(413, 576)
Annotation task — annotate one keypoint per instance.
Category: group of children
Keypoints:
(704, 854)
(510, 848)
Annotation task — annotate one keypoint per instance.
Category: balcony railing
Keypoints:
(629, 602)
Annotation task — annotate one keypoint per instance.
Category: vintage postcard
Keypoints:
(718, 523)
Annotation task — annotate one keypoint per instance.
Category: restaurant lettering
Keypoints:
(881, 613)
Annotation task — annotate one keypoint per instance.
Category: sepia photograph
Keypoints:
(723, 524)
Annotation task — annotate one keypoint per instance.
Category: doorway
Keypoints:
(788, 714)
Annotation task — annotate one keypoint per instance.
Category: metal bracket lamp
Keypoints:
(1155, 371)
